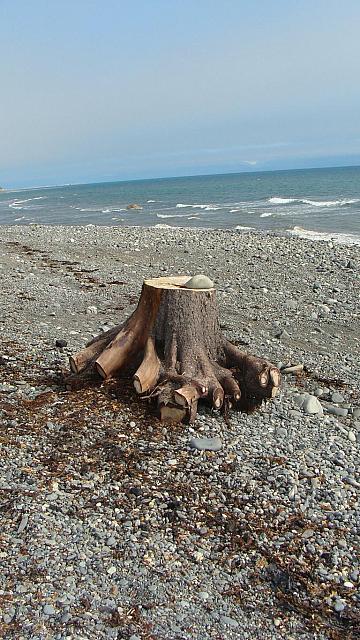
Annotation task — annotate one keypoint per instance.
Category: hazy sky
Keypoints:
(103, 90)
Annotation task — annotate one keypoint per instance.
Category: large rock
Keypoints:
(134, 206)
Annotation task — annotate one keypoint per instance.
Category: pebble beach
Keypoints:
(239, 526)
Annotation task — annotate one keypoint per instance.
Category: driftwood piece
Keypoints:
(174, 346)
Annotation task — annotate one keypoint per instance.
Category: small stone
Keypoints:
(348, 585)
(111, 542)
(339, 606)
(336, 411)
(111, 570)
(49, 610)
(311, 405)
(356, 412)
(318, 392)
(337, 397)
(352, 482)
(23, 523)
(294, 414)
(308, 533)
(136, 491)
(199, 282)
(60, 343)
(293, 369)
(229, 622)
(206, 444)
(6, 618)
(352, 436)
(132, 424)
(91, 310)
(282, 334)
(65, 617)
(300, 399)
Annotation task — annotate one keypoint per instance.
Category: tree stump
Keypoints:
(174, 347)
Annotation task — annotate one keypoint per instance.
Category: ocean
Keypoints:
(314, 203)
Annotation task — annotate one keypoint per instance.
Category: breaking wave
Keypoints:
(315, 203)
(176, 215)
(17, 204)
(281, 200)
(109, 210)
(326, 236)
(205, 207)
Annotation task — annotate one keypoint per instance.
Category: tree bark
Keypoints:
(174, 347)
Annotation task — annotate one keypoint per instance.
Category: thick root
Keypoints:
(131, 338)
(187, 395)
(148, 373)
(258, 379)
(81, 360)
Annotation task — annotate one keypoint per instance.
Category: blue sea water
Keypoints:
(309, 202)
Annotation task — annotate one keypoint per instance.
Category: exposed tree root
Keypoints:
(173, 345)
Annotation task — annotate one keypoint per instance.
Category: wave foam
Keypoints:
(111, 210)
(174, 215)
(17, 203)
(276, 200)
(338, 238)
(315, 203)
(205, 207)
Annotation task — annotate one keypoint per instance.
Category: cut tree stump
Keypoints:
(173, 346)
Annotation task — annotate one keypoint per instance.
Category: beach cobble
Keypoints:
(238, 526)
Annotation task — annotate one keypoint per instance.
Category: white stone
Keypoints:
(199, 282)
(311, 405)
(91, 310)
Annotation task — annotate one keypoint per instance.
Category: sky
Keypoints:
(105, 90)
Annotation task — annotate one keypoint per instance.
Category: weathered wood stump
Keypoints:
(174, 347)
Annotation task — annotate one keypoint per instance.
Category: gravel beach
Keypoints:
(114, 526)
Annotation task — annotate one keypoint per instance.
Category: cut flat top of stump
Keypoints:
(171, 282)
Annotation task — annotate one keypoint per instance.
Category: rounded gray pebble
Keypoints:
(230, 622)
(311, 405)
(337, 397)
(49, 610)
(206, 444)
(339, 606)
